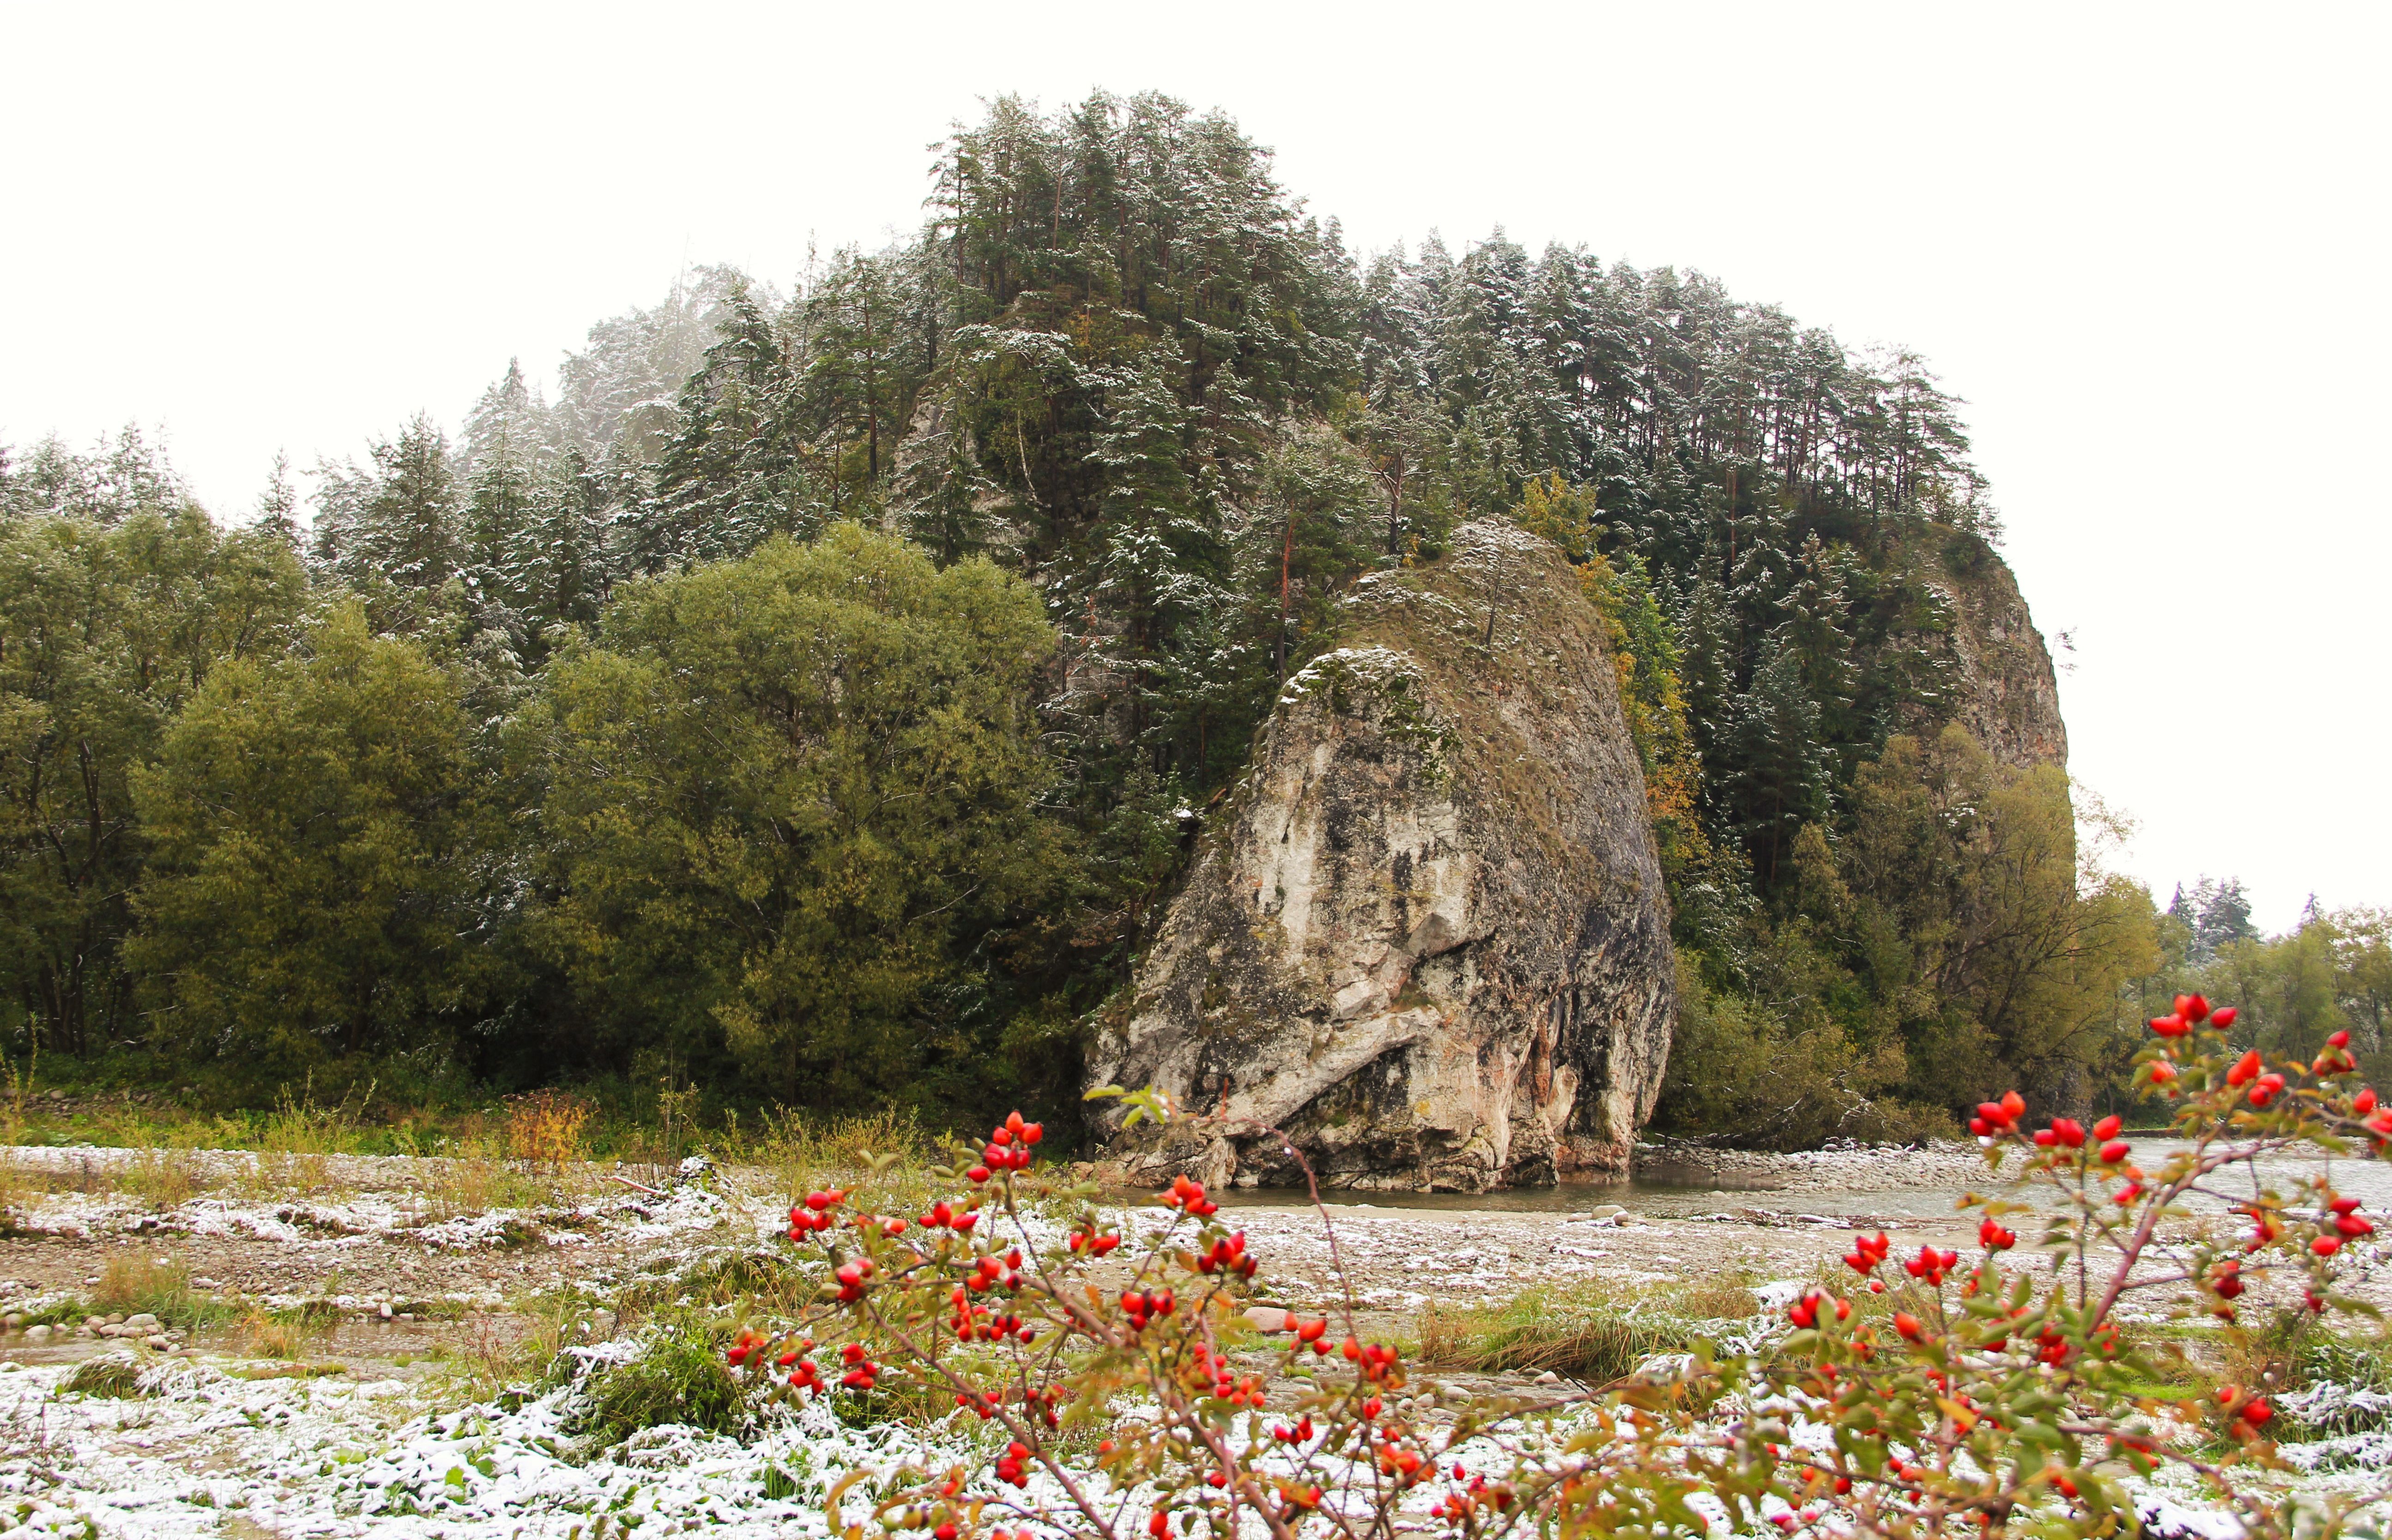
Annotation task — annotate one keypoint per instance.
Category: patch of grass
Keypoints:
(117, 1374)
(544, 1128)
(807, 1153)
(768, 1285)
(285, 1335)
(677, 1376)
(497, 1356)
(164, 1178)
(2360, 1368)
(68, 1310)
(136, 1283)
(1590, 1331)
(293, 1371)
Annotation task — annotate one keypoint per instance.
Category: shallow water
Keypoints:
(1805, 1185)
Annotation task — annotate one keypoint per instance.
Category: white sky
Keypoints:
(2144, 243)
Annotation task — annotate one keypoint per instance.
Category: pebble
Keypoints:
(1548, 1377)
(37, 1334)
(1265, 1318)
(159, 1343)
(143, 1322)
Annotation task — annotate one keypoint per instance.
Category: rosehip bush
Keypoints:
(1125, 1391)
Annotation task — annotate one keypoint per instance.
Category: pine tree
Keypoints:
(506, 452)
(278, 506)
(1780, 775)
(397, 522)
(733, 473)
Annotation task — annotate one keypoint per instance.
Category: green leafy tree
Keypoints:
(321, 853)
(105, 631)
(1976, 927)
(786, 795)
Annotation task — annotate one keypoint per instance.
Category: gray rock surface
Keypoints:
(1425, 935)
(2007, 693)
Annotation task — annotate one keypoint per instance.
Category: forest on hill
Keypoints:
(813, 698)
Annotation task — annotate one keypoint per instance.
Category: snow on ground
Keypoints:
(325, 1458)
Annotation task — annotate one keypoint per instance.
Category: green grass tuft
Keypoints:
(678, 1376)
(115, 1375)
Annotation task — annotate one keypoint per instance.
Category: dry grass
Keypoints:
(519, 1348)
(164, 1178)
(1591, 1331)
(804, 1154)
(285, 1335)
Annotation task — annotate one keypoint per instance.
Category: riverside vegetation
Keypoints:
(1979, 1397)
(813, 704)
(2136, 1340)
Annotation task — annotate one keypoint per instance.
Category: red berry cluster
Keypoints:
(748, 1345)
(1804, 1312)
(1009, 1147)
(1013, 1466)
(1142, 1306)
(1867, 1251)
(849, 1276)
(991, 1272)
(1931, 1266)
(2192, 1011)
(1997, 1117)
(1461, 1507)
(2264, 1088)
(1211, 1372)
(1310, 1333)
(1377, 1360)
(1089, 1239)
(813, 1215)
(1226, 1255)
(1189, 1198)
(942, 1216)
(1992, 1237)
(862, 1372)
(2245, 1414)
(977, 1323)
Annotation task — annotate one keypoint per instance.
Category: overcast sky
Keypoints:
(2145, 245)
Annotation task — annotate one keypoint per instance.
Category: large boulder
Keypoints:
(1426, 936)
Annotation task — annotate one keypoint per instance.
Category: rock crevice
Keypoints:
(1426, 935)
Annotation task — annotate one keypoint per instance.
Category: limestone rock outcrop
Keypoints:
(1426, 936)
(2006, 691)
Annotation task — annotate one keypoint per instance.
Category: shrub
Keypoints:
(1982, 1394)
(544, 1127)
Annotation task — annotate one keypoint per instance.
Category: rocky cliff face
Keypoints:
(2005, 690)
(1426, 935)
